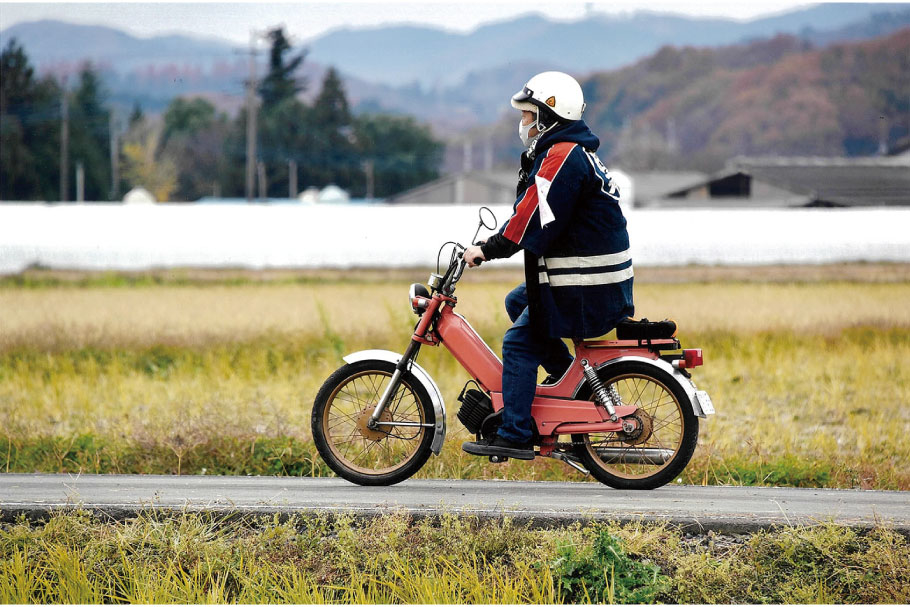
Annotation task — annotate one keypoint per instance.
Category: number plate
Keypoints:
(704, 401)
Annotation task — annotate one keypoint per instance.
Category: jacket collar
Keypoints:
(575, 132)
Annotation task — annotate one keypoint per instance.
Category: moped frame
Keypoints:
(555, 409)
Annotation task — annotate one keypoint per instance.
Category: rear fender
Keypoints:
(687, 385)
(439, 408)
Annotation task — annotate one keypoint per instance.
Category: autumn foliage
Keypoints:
(774, 96)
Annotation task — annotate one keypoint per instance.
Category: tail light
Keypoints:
(691, 358)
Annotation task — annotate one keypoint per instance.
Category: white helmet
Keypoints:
(558, 95)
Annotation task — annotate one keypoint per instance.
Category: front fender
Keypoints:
(684, 382)
(439, 408)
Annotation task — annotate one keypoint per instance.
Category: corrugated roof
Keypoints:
(653, 185)
(879, 181)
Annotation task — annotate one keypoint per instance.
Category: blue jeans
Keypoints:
(522, 354)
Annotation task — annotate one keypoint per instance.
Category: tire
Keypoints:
(673, 428)
(357, 453)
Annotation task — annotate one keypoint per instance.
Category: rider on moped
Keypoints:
(578, 267)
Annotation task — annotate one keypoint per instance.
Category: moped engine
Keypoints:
(475, 407)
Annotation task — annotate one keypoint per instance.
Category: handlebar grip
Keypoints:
(478, 260)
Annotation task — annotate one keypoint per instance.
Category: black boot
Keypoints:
(497, 445)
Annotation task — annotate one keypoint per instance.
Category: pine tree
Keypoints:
(331, 106)
(280, 83)
(90, 135)
(334, 159)
(29, 129)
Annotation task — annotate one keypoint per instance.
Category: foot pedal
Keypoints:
(498, 459)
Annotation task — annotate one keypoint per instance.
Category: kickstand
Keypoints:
(571, 460)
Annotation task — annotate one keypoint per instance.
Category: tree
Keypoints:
(136, 115)
(187, 116)
(90, 134)
(142, 165)
(286, 134)
(403, 153)
(280, 83)
(333, 157)
(192, 140)
(29, 130)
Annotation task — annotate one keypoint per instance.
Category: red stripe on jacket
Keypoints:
(549, 168)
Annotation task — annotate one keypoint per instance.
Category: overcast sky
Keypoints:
(233, 21)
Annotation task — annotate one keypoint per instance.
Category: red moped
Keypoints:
(626, 411)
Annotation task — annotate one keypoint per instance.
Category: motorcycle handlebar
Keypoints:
(456, 267)
(454, 272)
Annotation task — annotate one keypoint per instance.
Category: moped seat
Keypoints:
(645, 329)
(639, 333)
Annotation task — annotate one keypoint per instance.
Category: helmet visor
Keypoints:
(522, 100)
(524, 94)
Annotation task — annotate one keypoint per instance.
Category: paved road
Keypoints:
(695, 508)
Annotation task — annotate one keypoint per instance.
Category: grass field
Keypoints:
(195, 558)
(215, 373)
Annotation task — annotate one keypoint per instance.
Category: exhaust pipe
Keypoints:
(632, 455)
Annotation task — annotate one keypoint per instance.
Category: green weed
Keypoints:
(604, 573)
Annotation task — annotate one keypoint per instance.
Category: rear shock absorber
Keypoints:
(603, 397)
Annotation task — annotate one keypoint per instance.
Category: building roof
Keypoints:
(654, 185)
(879, 181)
(498, 187)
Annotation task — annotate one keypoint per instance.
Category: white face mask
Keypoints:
(523, 132)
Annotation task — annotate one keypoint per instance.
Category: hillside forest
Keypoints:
(193, 150)
(694, 108)
(680, 108)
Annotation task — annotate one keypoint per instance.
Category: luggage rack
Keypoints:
(655, 345)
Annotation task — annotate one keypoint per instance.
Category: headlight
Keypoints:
(418, 298)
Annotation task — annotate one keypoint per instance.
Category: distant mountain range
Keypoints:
(424, 71)
(400, 55)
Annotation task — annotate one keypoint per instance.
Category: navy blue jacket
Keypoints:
(578, 266)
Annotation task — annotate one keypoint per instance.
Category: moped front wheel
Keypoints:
(382, 455)
(668, 431)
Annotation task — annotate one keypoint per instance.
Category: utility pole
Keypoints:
(64, 146)
(251, 121)
(466, 158)
(115, 158)
(292, 179)
(80, 183)
(368, 169)
(488, 154)
(263, 186)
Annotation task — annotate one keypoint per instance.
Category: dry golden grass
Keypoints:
(76, 317)
(814, 371)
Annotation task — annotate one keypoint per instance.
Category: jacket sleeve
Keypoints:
(546, 206)
(498, 246)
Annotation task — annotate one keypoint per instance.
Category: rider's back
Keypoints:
(584, 266)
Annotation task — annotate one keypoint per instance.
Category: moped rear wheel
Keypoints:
(656, 454)
(384, 455)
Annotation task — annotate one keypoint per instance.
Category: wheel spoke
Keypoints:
(664, 425)
(369, 451)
